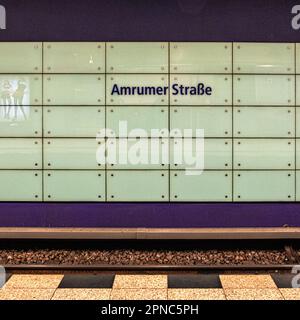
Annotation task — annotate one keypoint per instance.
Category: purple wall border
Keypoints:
(149, 215)
(149, 20)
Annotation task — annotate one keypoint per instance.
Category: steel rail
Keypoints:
(148, 268)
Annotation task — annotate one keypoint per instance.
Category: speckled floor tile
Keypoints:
(196, 294)
(141, 281)
(26, 294)
(29, 281)
(290, 293)
(140, 294)
(81, 294)
(253, 294)
(247, 282)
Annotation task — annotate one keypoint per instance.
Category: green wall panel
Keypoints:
(20, 153)
(145, 153)
(20, 126)
(74, 90)
(221, 86)
(21, 57)
(137, 80)
(140, 185)
(209, 186)
(264, 154)
(71, 154)
(192, 57)
(135, 57)
(74, 57)
(264, 90)
(139, 120)
(268, 122)
(215, 121)
(21, 185)
(264, 58)
(217, 153)
(19, 90)
(74, 185)
(264, 186)
(73, 121)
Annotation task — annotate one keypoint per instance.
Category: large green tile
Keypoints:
(197, 57)
(74, 185)
(137, 57)
(20, 185)
(74, 57)
(137, 185)
(264, 186)
(264, 58)
(74, 90)
(19, 153)
(71, 154)
(264, 122)
(73, 121)
(270, 90)
(23, 57)
(208, 186)
(264, 154)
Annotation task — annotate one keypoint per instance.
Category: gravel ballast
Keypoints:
(142, 257)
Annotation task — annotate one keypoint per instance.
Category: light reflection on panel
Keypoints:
(73, 121)
(74, 90)
(137, 185)
(137, 153)
(18, 91)
(298, 90)
(298, 156)
(216, 121)
(20, 185)
(298, 58)
(20, 153)
(74, 185)
(74, 57)
(264, 58)
(205, 57)
(116, 81)
(264, 154)
(264, 122)
(139, 121)
(209, 186)
(71, 154)
(16, 124)
(264, 186)
(297, 185)
(217, 153)
(264, 90)
(221, 89)
(134, 57)
(21, 57)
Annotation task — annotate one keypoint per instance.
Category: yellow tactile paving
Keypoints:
(82, 294)
(29, 281)
(290, 293)
(247, 282)
(26, 294)
(140, 294)
(196, 294)
(253, 294)
(141, 282)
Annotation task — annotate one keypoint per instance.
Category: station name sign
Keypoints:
(176, 89)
